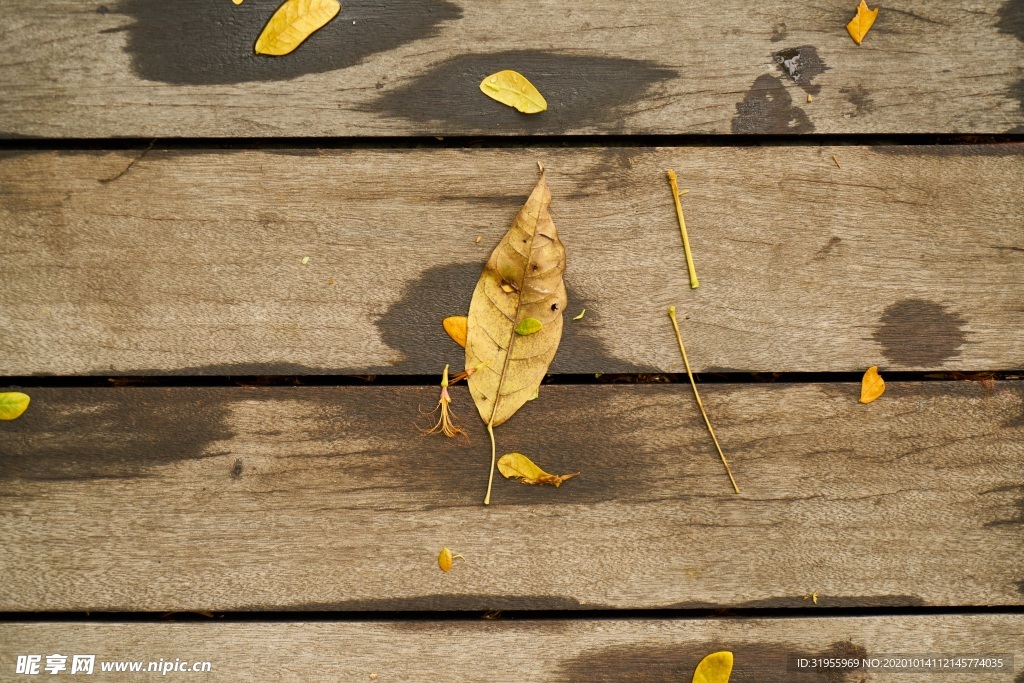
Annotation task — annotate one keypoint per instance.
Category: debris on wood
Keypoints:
(580, 316)
(682, 228)
(861, 23)
(696, 395)
(13, 404)
(513, 88)
(871, 385)
(838, 165)
(518, 466)
(445, 423)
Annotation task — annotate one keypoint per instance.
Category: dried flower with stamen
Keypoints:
(445, 423)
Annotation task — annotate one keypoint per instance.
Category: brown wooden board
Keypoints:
(328, 498)
(190, 263)
(187, 68)
(576, 651)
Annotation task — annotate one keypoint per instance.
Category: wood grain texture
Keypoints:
(577, 651)
(330, 499)
(189, 263)
(411, 67)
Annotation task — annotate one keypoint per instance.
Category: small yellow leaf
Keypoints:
(445, 558)
(518, 466)
(580, 316)
(305, 260)
(455, 326)
(861, 24)
(292, 23)
(13, 404)
(512, 88)
(871, 385)
(237, 2)
(715, 668)
(528, 326)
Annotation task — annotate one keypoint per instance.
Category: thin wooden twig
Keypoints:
(682, 228)
(679, 338)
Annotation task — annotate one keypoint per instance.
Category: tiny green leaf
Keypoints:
(536, 395)
(580, 316)
(528, 326)
(12, 404)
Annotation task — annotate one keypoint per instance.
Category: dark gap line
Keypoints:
(506, 615)
(71, 382)
(500, 142)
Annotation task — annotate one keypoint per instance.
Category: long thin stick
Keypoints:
(682, 228)
(490, 479)
(679, 338)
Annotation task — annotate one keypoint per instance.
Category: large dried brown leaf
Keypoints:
(529, 262)
(515, 317)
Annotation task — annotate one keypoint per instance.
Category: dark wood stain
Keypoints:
(197, 42)
(96, 433)
(768, 108)
(453, 473)
(236, 469)
(412, 325)
(764, 662)
(1011, 21)
(833, 243)
(779, 32)
(803, 65)
(1020, 676)
(580, 90)
(920, 333)
(860, 98)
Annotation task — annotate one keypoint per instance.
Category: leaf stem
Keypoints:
(682, 229)
(679, 338)
(490, 479)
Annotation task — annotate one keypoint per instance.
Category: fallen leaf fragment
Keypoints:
(528, 326)
(512, 88)
(13, 404)
(861, 23)
(871, 385)
(810, 98)
(455, 326)
(292, 23)
(580, 316)
(237, 2)
(305, 260)
(715, 668)
(536, 395)
(478, 238)
(838, 165)
(445, 559)
(518, 466)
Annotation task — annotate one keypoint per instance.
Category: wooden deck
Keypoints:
(222, 462)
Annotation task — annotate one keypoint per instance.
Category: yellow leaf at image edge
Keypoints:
(518, 466)
(871, 385)
(715, 668)
(861, 24)
(292, 23)
(512, 88)
(455, 326)
(13, 404)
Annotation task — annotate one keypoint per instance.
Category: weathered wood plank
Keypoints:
(329, 498)
(190, 263)
(138, 68)
(577, 651)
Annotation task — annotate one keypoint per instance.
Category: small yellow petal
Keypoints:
(456, 327)
(715, 668)
(861, 24)
(871, 385)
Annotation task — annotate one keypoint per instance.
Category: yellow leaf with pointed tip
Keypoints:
(518, 466)
(512, 88)
(715, 668)
(861, 24)
(455, 326)
(871, 385)
(13, 404)
(292, 23)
